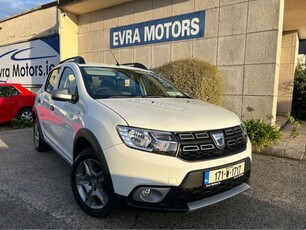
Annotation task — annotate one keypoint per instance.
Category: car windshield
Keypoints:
(102, 82)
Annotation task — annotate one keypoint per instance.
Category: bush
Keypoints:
(296, 124)
(21, 124)
(299, 93)
(262, 134)
(197, 78)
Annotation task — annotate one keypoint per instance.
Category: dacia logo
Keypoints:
(218, 138)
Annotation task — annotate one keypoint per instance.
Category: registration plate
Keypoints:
(215, 176)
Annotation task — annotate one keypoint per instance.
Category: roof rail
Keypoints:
(136, 64)
(77, 59)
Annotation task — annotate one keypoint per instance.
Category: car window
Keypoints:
(52, 78)
(68, 81)
(8, 91)
(104, 82)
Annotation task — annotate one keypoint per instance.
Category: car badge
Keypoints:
(218, 138)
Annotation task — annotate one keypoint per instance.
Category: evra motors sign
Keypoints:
(187, 26)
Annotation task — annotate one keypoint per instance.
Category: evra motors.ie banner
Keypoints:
(29, 62)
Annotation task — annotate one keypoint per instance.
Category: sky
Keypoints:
(13, 7)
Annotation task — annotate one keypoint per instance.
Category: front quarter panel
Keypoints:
(101, 123)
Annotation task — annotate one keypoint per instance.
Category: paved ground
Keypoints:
(35, 193)
(290, 146)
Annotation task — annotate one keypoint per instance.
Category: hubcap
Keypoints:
(90, 184)
(27, 115)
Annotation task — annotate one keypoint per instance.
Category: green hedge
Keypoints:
(199, 79)
(299, 93)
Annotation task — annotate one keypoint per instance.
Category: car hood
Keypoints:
(171, 114)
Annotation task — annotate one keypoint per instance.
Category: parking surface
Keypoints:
(35, 193)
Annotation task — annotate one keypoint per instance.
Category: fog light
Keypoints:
(145, 193)
(150, 194)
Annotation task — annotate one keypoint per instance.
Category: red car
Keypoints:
(15, 102)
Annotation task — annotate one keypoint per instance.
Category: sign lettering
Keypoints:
(29, 62)
(187, 26)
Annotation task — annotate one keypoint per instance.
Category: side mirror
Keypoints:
(62, 95)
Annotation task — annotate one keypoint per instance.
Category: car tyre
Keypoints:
(39, 143)
(90, 185)
(25, 114)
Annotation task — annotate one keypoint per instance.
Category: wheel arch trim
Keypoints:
(94, 143)
(90, 138)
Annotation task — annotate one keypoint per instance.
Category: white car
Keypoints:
(133, 138)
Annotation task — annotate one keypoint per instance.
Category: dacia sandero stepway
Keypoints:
(132, 137)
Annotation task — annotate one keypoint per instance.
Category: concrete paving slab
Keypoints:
(290, 146)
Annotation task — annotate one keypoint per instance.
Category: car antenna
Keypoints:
(118, 64)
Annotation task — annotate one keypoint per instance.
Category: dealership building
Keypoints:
(254, 43)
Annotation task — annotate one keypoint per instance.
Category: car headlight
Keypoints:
(148, 140)
(244, 130)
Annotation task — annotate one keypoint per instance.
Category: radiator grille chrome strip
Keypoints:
(207, 147)
(186, 136)
(201, 135)
(191, 148)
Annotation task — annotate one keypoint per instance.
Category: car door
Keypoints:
(67, 113)
(44, 106)
(8, 96)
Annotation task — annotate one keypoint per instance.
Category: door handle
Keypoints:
(52, 107)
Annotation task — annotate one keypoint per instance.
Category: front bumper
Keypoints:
(133, 169)
(190, 195)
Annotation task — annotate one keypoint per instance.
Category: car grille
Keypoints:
(195, 146)
(194, 194)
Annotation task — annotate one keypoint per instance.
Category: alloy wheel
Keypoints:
(91, 184)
